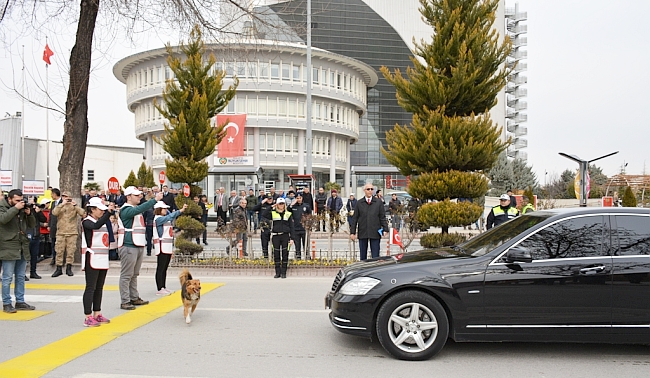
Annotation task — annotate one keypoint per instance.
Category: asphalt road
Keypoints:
(265, 327)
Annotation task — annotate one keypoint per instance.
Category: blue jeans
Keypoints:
(363, 248)
(9, 269)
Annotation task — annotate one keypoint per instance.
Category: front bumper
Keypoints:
(351, 314)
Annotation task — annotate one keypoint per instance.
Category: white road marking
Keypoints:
(102, 375)
(262, 310)
(53, 298)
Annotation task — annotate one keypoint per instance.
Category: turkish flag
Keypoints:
(47, 54)
(232, 145)
(395, 239)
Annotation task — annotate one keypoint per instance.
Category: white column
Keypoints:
(148, 150)
(346, 184)
(301, 152)
(332, 157)
(256, 147)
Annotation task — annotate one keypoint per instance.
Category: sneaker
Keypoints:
(101, 319)
(9, 309)
(167, 290)
(162, 292)
(127, 306)
(91, 322)
(22, 306)
(139, 302)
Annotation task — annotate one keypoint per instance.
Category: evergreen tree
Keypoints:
(142, 175)
(131, 180)
(629, 199)
(149, 181)
(510, 174)
(452, 85)
(190, 101)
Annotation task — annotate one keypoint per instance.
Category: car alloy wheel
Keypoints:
(412, 325)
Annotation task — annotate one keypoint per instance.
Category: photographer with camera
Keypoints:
(34, 235)
(15, 219)
(68, 215)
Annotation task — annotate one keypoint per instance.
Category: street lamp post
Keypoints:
(584, 166)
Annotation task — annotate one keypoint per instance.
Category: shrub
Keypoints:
(441, 240)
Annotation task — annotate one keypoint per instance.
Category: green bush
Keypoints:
(441, 240)
(187, 247)
(629, 199)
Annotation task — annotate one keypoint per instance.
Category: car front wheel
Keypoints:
(412, 325)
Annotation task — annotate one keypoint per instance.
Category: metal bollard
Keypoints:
(313, 249)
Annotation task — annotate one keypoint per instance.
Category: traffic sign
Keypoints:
(186, 190)
(113, 185)
(162, 177)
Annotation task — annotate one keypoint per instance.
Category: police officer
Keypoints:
(502, 212)
(526, 206)
(282, 235)
(265, 207)
(298, 209)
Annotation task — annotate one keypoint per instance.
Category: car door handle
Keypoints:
(593, 269)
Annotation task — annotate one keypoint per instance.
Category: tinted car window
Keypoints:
(576, 237)
(633, 235)
(487, 241)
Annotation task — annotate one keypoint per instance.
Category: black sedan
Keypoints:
(570, 275)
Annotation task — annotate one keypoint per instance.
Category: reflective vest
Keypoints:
(528, 208)
(138, 230)
(278, 222)
(163, 243)
(500, 216)
(98, 249)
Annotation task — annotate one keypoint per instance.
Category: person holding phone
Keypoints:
(68, 214)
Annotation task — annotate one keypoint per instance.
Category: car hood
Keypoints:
(404, 258)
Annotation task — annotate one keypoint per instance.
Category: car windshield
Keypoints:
(487, 241)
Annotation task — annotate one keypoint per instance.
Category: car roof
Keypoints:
(593, 210)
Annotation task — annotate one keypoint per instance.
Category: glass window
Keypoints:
(295, 143)
(275, 71)
(218, 67)
(249, 142)
(241, 69)
(230, 69)
(633, 235)
(287, 142)
(296, 73)
(338, 81)
(292, 108)
(264, 71)
(282, 107)
(231, 106)
(325, 75)
(278, 142)
(345, 82)
(262, 142)
(241, 104)
(316, 110)
(285, 71)
(301, 109)
(304, 74)
(261, 106)
(332, 82)
(252, 69)
(145, 78)
(252, 105)
(160, 74)
(91, 175)
(270, 142)
(151, 76)
(571, 238)
(273, 107)
(314, 75)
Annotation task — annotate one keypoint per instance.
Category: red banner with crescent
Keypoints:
(232, 145)
(395, 239)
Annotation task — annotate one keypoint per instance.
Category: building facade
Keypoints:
(272, 90)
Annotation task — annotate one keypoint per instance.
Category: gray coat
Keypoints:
(13, 227)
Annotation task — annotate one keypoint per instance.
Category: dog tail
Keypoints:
(185, 276)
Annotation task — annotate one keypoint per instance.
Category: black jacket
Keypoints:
(168, 199)
(321, 200)
(265, 210)
(368, 219)
(285, 224)
(53, 218)
(308, 199)
(297, 212)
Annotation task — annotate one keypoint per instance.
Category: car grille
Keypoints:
(337, 280)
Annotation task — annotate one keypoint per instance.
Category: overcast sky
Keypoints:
(588, 81)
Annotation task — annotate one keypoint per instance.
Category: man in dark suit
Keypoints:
(168, 199)
(368, 223)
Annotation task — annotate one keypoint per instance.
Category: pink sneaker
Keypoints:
(162, 292)
(91, 322)
(101, 319)
(167, 290)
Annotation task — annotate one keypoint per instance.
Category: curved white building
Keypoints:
(271, 92)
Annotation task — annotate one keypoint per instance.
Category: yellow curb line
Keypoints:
(49, 357)
(23, 315)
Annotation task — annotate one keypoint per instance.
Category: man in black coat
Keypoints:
(298, 209)
(168, 199)
(368, 223)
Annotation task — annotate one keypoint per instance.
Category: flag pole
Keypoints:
(47, 122)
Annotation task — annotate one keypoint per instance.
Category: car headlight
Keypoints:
(359, 286)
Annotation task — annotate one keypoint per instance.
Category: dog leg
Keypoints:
(186, 314)
(193, 308)
(188, 320)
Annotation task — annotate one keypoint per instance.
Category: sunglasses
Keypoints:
(368, 189)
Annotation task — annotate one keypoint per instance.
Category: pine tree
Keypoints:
(454, 81)
(149, 181)
(190, 101)
(629, 199)
(142, 175)
(131, 180)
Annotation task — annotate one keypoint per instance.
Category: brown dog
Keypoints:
(190, 294)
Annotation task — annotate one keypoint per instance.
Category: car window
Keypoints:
(570, 238)
(633, 235)
(487, 241)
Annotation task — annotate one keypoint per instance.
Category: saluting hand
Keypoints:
(159, 196)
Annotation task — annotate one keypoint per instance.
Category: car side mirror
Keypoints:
(518, 254)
